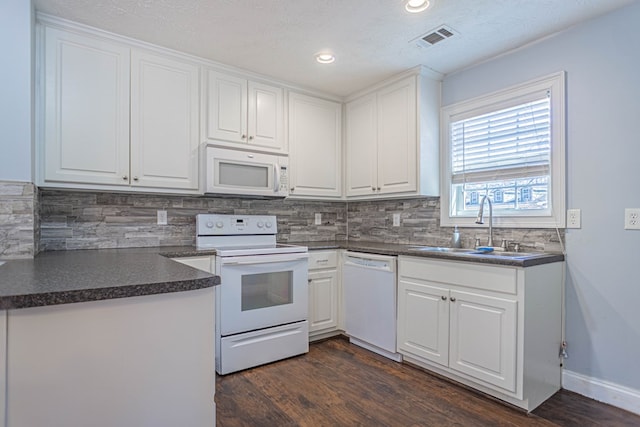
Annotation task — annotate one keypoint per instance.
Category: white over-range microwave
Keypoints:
(245, 173)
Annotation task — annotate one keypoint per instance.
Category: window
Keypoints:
(509, 145)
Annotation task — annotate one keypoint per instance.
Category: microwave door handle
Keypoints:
(276, 172)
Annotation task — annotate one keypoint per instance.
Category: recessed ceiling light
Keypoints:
(415, 6)
(325, 57)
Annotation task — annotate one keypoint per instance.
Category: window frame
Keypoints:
(555, 84)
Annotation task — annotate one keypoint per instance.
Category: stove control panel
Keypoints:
(235, 225)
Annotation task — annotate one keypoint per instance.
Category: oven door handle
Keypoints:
(264, 260)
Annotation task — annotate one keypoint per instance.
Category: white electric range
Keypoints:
(262, 301)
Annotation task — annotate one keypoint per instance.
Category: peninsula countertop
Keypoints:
(62, 277)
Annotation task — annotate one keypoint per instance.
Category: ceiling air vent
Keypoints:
(435, 36)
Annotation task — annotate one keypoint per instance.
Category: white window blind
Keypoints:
(510, 143)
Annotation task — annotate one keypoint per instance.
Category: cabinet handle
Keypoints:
(135, 178)
(378, 188)
(243, 136)
(251, 138)
(125, 178)
(444, 298)
(373, 188)
(453, 299)
(309, 280)
(293, 188)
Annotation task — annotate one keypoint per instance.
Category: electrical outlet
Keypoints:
(318, 218)
(162, 217)
(632, 219)
(573, 218)
(396, 220)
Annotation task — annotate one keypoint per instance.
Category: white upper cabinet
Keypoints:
(397, 143)
(164, 122)
(86, 110)
(361, 147)
(115, 117)
(315, 139)
(243, 113)
(392, 140)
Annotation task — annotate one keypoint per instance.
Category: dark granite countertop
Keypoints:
(399, 249)
(63, 277)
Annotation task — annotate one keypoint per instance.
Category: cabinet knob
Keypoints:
(444, 298)
(251, 138)
(125, 178)
(378, 188)
(293, 188)
(243, 136)
(309, 280)
(135, 178)
(373, 188)
(453, 299)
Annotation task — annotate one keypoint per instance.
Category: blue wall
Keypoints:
(602, 61)
(16, 83)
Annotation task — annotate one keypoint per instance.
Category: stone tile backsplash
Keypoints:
(420, 225)
(89, 220)
(18, 220)
(83, 220)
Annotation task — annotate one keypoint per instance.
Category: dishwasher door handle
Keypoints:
(370, 264)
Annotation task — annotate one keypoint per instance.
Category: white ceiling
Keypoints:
(370, 38)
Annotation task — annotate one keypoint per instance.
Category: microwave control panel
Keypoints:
(284, 180)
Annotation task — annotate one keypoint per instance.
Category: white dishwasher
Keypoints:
(369, 283)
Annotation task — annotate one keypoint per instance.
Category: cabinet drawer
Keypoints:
(470, 275)
(323, 259)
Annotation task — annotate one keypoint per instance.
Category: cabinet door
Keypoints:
(86, 110)
(361, 147)
(397, 138)
(423, 321)
(266, 117)
(164, 122)
(315, 139)
(323, 300)
(226, 107)
(483, 338)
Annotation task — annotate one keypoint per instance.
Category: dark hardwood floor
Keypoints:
(339, 384)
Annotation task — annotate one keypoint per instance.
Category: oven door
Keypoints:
(259, 291)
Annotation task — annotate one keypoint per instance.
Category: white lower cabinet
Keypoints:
(324, 294)
(205, 263)
(494, 328)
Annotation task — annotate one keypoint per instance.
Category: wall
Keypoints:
(603, 101)
(88, 220)
(16, 94)
(18, 223)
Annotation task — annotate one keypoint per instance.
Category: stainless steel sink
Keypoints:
(440, 249)
(507, 254)
(465, 251)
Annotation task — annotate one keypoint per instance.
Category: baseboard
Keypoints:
(603, 391)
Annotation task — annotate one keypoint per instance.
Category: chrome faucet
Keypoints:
(479, 218)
